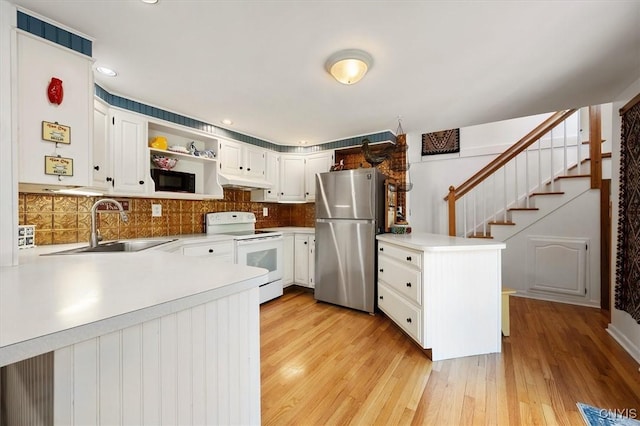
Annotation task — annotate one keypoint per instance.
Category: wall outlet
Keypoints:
(265, 211)
(156, 210)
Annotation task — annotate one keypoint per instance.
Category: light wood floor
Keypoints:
(328, 365)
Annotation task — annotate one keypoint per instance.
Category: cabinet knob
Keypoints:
(381, 249)
(306, 193)
(381, 270)
(109, 179)
(248, 169)
(141, 182)
(96, 168)
(409, 320)
(210, 250)
(408, 284)
(269, 191)
(305, 242)
(381, 297)
(240, 167)
(409, 258)
(282, 193)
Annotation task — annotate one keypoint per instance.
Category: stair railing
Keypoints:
(551, 149)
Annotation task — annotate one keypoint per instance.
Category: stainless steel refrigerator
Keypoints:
(349, 214)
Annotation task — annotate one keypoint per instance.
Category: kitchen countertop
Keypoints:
(437, 242)
(48, 302)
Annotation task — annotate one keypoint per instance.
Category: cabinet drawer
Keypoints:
(406, 315)
(221, 251)
(402, 254)
(402, 277)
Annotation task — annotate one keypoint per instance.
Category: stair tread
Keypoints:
(547, 193)
(523, 209)
(487, 236)
(573, 176)
(501, 223)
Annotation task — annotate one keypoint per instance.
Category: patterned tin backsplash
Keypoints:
(60, 219)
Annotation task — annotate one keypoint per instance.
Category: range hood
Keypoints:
(242, 182)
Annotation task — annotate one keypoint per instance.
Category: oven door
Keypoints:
(264, 253)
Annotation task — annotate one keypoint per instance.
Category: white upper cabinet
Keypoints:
(101, 165)
(314, 164)
(292, 185)
(272, 175)
(67, 152)
(240, 159)
(130, 154)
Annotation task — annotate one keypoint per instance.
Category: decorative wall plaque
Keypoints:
(54, 132)
(58, 166)
(442, 142)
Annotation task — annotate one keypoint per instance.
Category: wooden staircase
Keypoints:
(513, 205)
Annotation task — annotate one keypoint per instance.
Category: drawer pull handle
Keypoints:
(408, 284)
(409, 258)
(381, 297)
(381, 270)
(381, 248)
(210, 250)
(409, 320)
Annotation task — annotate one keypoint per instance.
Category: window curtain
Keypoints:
(627, 296)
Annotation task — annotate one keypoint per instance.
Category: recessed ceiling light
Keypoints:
(150, 1)
(227, 122)
(106, 71)
(302, 142)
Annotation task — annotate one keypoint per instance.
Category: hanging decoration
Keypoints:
(55, 93)
(627, 294)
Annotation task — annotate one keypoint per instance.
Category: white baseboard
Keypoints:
(627, 344)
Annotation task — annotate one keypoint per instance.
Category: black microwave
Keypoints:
(168, 180)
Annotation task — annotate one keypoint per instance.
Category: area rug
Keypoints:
(442, 142)
(628, 255)
(593, 416)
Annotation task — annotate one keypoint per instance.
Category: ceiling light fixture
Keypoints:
(106, 71)
(150, 1)
(349, 66)
(227, 122)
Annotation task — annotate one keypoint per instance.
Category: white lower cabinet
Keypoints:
(299, 260)
(219, 250)
(196, 366)
(304, 261)
(400, 287)
(287, 275)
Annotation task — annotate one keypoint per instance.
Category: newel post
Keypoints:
(595, 145)
(451, 200)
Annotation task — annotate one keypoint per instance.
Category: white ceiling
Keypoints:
(437, 64)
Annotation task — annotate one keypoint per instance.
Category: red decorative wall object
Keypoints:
(54, 91)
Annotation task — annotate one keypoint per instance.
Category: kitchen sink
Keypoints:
(115, 247)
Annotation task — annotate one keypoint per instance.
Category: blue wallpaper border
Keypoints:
(128, 104)
(54, 34)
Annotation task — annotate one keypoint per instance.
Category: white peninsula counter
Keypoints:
(151, 337)
(444, 292)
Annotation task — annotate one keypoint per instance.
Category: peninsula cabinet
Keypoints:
(443, 292)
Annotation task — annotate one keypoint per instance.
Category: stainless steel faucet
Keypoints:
(95, 234)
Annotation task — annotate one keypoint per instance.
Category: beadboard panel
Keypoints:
(197, 366)
(467, 283)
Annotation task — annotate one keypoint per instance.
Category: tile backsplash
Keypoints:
(63, 219)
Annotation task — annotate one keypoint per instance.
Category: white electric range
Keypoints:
(252, 247)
